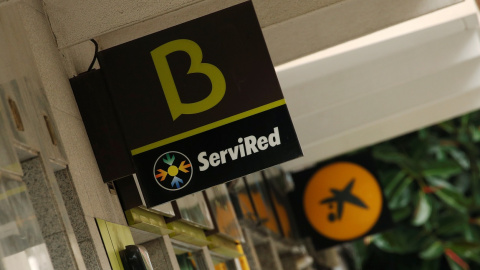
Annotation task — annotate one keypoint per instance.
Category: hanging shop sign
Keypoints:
(339, 201)
(199, 104)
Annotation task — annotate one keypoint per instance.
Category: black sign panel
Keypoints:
(199, 104)
(339, 201)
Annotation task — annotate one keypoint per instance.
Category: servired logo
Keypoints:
(176, 106)
(173, 170)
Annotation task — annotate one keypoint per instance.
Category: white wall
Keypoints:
(49, 67)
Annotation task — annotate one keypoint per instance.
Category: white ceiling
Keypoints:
(292, 28)
(383, 85)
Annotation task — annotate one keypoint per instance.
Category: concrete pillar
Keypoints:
(203, 259)
(269, 259)
(94, 196)
(21, 240)
(162, 254)
(288, 261)
(250, 252)
(78, 220)
(60, 241)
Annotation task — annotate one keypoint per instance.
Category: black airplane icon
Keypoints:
(342, 196)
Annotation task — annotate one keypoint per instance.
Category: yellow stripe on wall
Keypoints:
(12, 192)
(208, 127)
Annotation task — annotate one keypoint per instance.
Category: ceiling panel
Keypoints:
(401, 89)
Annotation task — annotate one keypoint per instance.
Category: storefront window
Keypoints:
(187, 261)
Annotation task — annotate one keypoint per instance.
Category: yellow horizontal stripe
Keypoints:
(208, 127)
(12, 192)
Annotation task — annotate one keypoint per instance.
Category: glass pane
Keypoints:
(21, 241)
(165, 209)
(261, 201)
(276, 183)
(10, 241)
(15, 105)
(8, 157)
(223, 212)
(187, 261)
(241, 200)
(193, 209)
(19, 76)
(16, 62)
(23, 210)
(38, 257)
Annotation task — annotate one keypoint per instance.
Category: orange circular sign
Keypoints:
(342, 201)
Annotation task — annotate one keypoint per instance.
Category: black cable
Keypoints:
(95, 56)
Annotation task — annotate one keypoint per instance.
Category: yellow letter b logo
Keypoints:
(176, 106)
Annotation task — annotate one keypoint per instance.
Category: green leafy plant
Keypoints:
(431, 181)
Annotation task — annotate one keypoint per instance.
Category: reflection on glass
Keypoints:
(17, 261)
(223, 212)
(21, 242)
(13, 100)
(38, 258)
(276, 181)
(165, 209)
(23, 210)
(8, 157)
(261, 201)
(10, 241)
(186, 261)
(193, 209)
(241, 200)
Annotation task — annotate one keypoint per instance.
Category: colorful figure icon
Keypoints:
(173, 171)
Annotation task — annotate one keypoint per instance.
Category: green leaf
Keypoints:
(422, 211)
(451, 223)
(448, 126)
(465, 119)
(417, 149)
(463, 137)
(464, 249)
(472, 232)
(402, 240)
(392, 184)
(469, 233)
(401, 195)
(453, 199)
(439, 152)
(443, 169)
(386, 175)
(462, 182)
(430, 264)
(388, 153)
(401, 213)
(360, 251)
(449, 194)
(453, 265)
(460, 157)
(440, 183)
(433, 222)
(423, 134)
(434, 251)
(475, 133)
